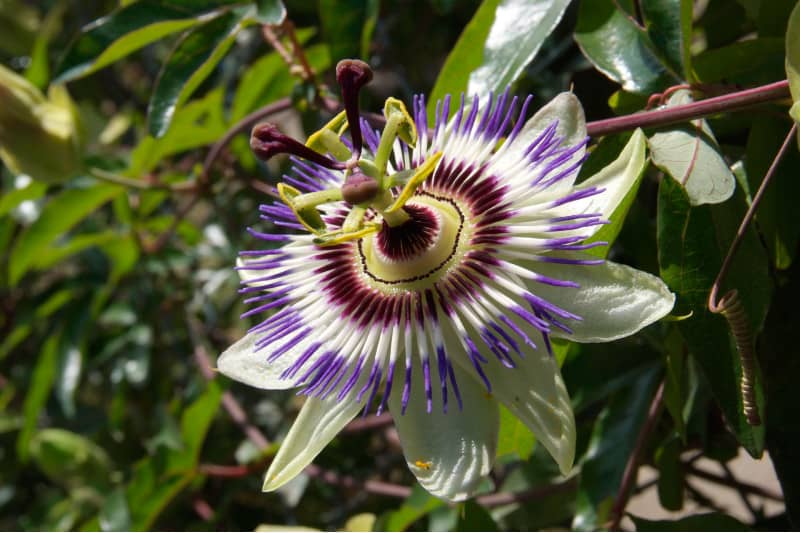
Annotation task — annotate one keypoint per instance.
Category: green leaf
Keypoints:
(70, 459)
(58, 217)
(774, 17)
(126, 30)
(780, 360)
(514, 439)
(44, 375)
(751, 62)
(416, 506)
(270, 12)
(700, 522)
(612, 441)
(192, 60)
(690, 155)
(115, 515)
(343, 24)
(776, 216)
(670, 474)
(12, 199)
(474, 517)
(77, 244)
(619, 48)
(516, 35)
(159, 479)
(669, 25)
(199, 123)
(692, 242)
(466, 55)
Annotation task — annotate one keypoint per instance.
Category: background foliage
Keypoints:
(117, 292)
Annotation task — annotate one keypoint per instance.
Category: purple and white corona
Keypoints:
(426, 271)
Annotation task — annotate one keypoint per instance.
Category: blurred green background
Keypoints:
(117, 290)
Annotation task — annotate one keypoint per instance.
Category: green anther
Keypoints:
(341, 236)
(307, 216)
(421, 174)
(406, 130)
(327, 139)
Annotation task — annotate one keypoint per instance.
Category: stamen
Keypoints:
(267, 140)
(352, 75)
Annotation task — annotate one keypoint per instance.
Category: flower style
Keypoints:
(429, 274)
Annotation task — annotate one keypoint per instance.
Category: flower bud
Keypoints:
(39, 136)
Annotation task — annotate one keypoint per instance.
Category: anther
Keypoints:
(359, 188)
(352, 75)
(267, 140)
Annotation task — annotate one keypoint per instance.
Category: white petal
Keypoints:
(317, 424)
(616, 180)
(567, 110)
(535, 393)
(242, 363)
(449, 453)
(613, 300)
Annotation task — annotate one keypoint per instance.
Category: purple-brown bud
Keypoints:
(267, 140)
(352, 75)
(359, 188)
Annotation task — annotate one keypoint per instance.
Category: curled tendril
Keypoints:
(730, 306)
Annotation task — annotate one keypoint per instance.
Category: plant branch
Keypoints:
(632, 466)
(710, 106)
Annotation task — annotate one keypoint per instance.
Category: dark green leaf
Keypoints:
(343, 26)
(750, 62)
(517, 32)
(610, 446)
(126, 30)
(619, 48)
(780, 359)
(773, 17)
(691, 244)
(58, 216)
(776, 216)
(700, 522)
(670, 474)
(194, 57)
(70, 459)
(44, 375)
(473, 517)
(669, 25)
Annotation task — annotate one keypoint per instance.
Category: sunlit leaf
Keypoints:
(690, 155)
(619, 48)
(517, 32)
(126, 30)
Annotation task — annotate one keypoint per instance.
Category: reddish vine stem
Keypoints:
(709, 106)
(632, 465)
(730, 306)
